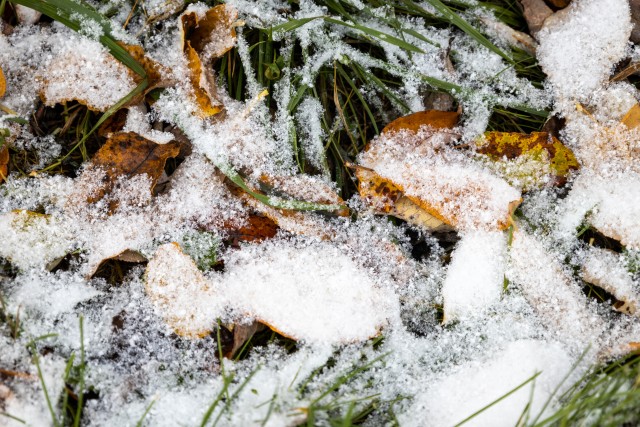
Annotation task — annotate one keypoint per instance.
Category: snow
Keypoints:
(443, 326)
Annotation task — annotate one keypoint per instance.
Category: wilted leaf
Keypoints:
(214, 34)
(3, 84)
(156, 73)
(127, 154)
(203, 40)
(127, 255)
(434, 118)
(241, 334)
(559, 4)
(78, 73)
(529, 159)
(257, 229)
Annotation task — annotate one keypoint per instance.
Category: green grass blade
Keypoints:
(144, 415)
(456, 20)
(13, 417)
(275, 202)
(377, 34)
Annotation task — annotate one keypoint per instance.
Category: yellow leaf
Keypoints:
(3, 84)
(529, 159)
(201, 85)
(214, 34)
(4, 162)
(632, 118)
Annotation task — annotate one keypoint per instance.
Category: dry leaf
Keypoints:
(3, 84)
(256, 229)
(205, 39)
(530, 159)
(535, 12)
(127, 154)
(4, 161)
(604, 269)
(433, 118)
(386, 198)
(241, 334)
(559, 4)
(156, 73)
(632, 118)
(214, 34)
(127, 255)
(181, 292)
(438, 180)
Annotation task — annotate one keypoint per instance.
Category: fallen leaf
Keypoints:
(529, 159)
(535, 12)
(386, 198)
(433, 118)
(632, 118)
(241, 334)
(156, 73)
(31, 239)
(127, 154)
(214, 34)
(438, 179)
(559, 4)
(604, 269)
(205, 39)
(3, 83)
(4, 160)
(181, 293)
(128, 255)
(256, 229)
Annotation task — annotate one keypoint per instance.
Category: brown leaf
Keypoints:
(156, 73)
(434, 118)
(3, 84)
(128, 255)
(632, 118)
(559, 4)
(127, 154)
(4, 162)
(203, 86)
(541, 148)
(387, 198)
(214, 35)
(241, 334)
(535, 12)
(257, 229)
(114, 123)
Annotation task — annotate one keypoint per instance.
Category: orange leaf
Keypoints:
(413, 122)
(3, 84)
(4, 162)
(632, 118)
(257, 229)
(201, 85)
(214, 35)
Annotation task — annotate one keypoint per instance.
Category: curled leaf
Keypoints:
(4, 160)
(433, 118)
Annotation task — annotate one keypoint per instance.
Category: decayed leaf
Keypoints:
(241, 334)
(529, 160)
(605, 269)
(632, 118)
(412, 159)
(256, 229)
(127, 154)
(266, 287)
(3, 84)
(205, 39)
(156, 73)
